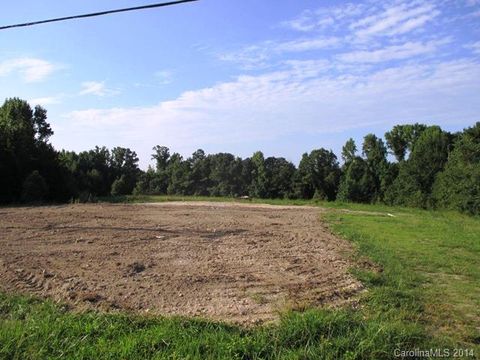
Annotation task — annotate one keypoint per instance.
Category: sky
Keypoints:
(280, 76)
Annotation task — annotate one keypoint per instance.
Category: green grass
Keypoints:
(434, 255)
(166, 198)
(427, 295)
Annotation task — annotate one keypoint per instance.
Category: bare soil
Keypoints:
(234, 262)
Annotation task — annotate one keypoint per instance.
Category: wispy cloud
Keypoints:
(395, 20)
(475, 47)
(257, 56)
(44, 101)
(308, 21)
(30, 69)
(97, 88)
(272, 105)
(300, 45)
(473, 2)
(394, 52)
(164, 77)
(249, 57)
(367, 19)
(323, 18)
(325, 75)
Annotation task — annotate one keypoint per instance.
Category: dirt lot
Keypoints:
(233, 262)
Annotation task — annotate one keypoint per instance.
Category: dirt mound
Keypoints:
(239, 263)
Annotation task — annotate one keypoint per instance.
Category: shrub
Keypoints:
(121, 186)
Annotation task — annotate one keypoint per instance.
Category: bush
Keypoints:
(121, 186)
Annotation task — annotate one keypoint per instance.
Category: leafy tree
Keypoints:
(124, 163)
(402, 139)
(458, 186)
(375, 154)
(357, 183)
(161, 155)
(34, 188)
(147, 184)
(91, 170)
(24, 147)
(279, 173)
(42, 129)
(318, 173)
(178, 172)
(247, 174)
(259, 185)
(121, 186)
(18, 146)
(349, 151)
(433, 168)
(225, 175)
(200, 173)
(413, 186)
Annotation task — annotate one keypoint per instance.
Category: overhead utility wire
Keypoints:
(97, 14)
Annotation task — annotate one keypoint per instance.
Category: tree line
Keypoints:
(433, 168)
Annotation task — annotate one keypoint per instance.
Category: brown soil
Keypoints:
(240, 263)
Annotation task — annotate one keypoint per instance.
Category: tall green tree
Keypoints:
(279, 174)
(402, 138)
(178, 174)
(258, 187)
(24, 149)
(225, 175)
(318, 175)
(124, 168)
(458, 186)
(161, 155)
(200, 173)
(375, 154)
(35, 188)
(357, 183)
(349, 151)
(413, 186)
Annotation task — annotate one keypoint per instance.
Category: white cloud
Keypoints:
(475, 47)
(308, 68)
(298, 100)
(31, 69)
(44, 101)
(250, 57)
(97, 88)
(395, 20)
(258, 56)
(323, 18)
(300, 45)
(394, 52)
(164, 77)
(305, 22)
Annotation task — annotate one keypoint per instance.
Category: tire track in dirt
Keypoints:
(240, 263)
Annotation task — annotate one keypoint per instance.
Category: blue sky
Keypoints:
(238, 76)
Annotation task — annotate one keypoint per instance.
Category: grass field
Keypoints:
(426, 295)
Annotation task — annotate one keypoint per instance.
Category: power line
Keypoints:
(97, 14)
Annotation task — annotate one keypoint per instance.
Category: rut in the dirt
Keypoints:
(240, 263)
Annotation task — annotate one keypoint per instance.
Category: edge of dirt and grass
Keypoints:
(420, 267)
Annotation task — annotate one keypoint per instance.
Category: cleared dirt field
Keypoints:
(235, 262)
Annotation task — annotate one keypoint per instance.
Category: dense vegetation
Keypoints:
(425, 296)
(432, 168)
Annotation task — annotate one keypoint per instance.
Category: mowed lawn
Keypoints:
(434, 254)
(421, 269)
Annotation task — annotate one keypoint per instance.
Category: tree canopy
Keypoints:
(432, 168)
